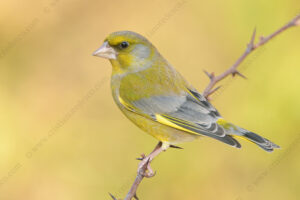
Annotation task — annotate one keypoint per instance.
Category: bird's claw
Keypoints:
(144, 168)
(149, 174)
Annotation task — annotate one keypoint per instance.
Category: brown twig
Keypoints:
(250, 48)
(144, 170)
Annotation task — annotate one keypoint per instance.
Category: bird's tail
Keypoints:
(238, 132)
(262, 142)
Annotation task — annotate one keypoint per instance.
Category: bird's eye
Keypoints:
(124, 45)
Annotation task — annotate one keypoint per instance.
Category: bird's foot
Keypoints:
(144, 167)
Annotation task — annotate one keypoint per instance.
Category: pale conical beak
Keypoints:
(106, 51)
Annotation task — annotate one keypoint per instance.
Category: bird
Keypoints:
(157, 98)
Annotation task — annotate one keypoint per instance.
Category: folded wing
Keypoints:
(190, 112)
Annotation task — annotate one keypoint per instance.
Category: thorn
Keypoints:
(112, 196)
(175, 147)
(251, 44)
(135, 196)
(239, 74)
(253, 36)
(142, 157)
(210, 75)
(212, 91)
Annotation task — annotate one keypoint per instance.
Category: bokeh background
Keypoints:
(63, 138)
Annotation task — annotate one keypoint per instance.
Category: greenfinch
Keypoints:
(155, 97)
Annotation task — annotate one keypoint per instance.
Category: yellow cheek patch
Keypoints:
(125, 59)
(122, 63)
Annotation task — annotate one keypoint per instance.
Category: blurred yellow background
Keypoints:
(63, 138)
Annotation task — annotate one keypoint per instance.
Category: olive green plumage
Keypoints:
(154, 96)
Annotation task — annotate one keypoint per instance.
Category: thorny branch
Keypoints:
(144, 169)
(250, 48)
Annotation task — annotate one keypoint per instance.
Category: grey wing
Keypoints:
(190, 111)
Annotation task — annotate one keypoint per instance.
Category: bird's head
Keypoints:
(126, 49)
